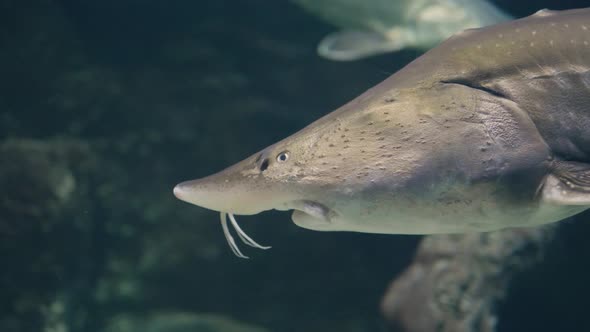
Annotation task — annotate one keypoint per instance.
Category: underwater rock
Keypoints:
(39, 182)
(178, 322)
(39, 245)
(455, 281)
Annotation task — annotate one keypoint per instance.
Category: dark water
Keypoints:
(105, 105)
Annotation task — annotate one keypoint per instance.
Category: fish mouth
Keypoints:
(308, 213)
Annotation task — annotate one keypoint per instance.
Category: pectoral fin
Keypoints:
(352, 45)
(568, 184)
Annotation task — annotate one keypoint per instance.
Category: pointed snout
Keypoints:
(203, 193)
(219, 193)
(180, 191)
(199, 192)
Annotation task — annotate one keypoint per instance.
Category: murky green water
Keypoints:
(106, 105)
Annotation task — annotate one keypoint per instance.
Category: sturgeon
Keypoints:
(489, 130)
(371, 27)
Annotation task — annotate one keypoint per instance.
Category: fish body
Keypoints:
(378, 26)
(489, 130)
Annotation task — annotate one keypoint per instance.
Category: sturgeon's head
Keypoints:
(274, 178)
(270, 179)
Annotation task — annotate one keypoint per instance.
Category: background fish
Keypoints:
(373, 27)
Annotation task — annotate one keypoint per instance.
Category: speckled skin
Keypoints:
(462, 139)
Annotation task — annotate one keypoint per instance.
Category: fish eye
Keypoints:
(283, 156)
